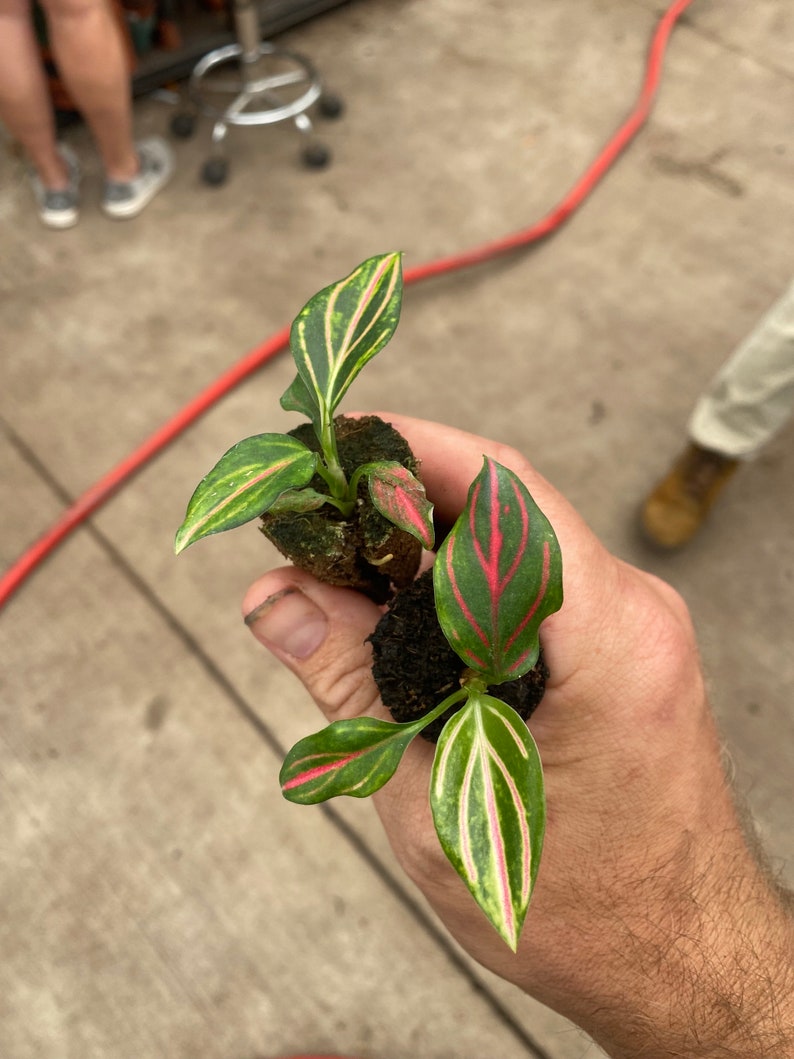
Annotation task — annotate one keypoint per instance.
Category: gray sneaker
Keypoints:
(59, 209)
(127, 199)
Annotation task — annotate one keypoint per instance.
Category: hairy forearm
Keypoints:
(709, 973)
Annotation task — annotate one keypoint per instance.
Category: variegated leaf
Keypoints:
(400, 497)
(340, 329)
(497, 576)
(353, 757)
(488, 805)
(244, 483)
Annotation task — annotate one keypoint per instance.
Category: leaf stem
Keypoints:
(443, 706)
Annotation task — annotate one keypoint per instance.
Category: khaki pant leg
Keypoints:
(752, 396)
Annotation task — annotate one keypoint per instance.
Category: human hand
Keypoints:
(631, 904)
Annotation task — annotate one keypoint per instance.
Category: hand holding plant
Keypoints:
(651, 900)
(636, 909)
(496, 577)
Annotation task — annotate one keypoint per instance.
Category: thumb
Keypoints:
(319, 632)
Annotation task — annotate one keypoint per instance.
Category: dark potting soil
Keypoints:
(415, 668)
(364, 550)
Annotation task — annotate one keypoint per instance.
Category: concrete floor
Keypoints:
(159, 898)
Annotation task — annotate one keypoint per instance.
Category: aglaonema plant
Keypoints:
(333, 337)
(496, 577)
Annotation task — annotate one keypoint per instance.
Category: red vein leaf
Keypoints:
(497, 576)
(488, 805)
(244, 483)
(354, 757)
(400, 497)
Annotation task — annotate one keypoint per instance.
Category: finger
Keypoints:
(451, 459)
(319, 632)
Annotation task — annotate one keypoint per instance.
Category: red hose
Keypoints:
(102, 490)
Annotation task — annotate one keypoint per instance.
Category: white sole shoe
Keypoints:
(124, 200)
(59, 209)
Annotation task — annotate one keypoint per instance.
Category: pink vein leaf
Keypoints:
(244, 483)
(354, 757)
(497, 576)
(400, 497)
(488, 806)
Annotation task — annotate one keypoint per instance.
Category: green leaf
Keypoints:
(400, 497)
(497, 576)
(488, 805)
(298, 500)
(244, 483)
(340, 329)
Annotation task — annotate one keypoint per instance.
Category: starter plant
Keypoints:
(338, 496)
(496, 576)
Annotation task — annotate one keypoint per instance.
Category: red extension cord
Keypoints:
(102, 490)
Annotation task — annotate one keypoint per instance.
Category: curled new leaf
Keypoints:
(497, 576)
(244, 483)
(297, 398)
(487, 800)
(298, 501)
(400, 497)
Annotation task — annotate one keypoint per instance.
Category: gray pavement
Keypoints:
(158, 898)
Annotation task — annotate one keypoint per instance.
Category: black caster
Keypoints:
(330, 106)
(316, 156)
(183, 125)
(215, 172)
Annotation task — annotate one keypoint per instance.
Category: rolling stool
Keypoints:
(266, 85)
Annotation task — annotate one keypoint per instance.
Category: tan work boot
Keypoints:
(674, 512)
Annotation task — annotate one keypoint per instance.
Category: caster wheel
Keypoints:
(330, 106)
(316, 156)
(183, 126)
(215, 172)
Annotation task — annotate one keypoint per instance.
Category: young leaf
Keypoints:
(487, 800)
(400, 497)
(354, 757)
(497, 576)
(243, 484)
(298, 500)
(342, 328)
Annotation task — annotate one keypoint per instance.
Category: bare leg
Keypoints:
(89, 51)
(25, 105)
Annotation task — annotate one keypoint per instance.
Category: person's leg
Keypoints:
(748, 401)
(25, 105)
(89, 52)
(752, 396)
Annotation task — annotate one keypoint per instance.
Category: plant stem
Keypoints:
(475, 682)
(335, 476)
